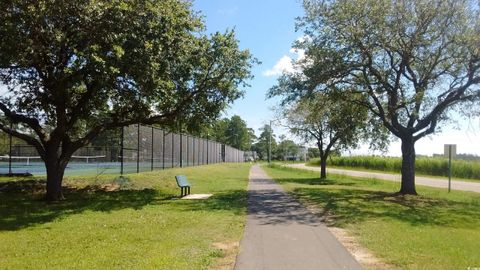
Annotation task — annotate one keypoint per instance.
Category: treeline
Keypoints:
(437, 166)
(234, 131)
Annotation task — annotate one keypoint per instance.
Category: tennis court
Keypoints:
(77, 166)
(36, 166)
(132, 149)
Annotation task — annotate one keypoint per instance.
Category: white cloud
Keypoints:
(299, 52)
(284, 65)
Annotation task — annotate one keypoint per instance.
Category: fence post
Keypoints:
(163, 150)
(181, 150)
(207, 149)
(173, 149)
(151, 141)
(108, 157)
(10, 151)
(193, 151)
(121, 151)
(138, 148)
(188, 153)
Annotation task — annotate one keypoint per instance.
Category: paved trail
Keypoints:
(420, 180)
(282, 234)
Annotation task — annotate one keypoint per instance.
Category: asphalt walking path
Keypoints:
(282, 234)
(420, 180)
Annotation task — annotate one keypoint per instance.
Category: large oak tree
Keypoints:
(413, 60)
(74, 69)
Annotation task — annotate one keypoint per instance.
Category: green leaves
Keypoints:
(233, 132)
(414, 61)
(333, 121)
(112, 63)
(408, 56)
(75, 69)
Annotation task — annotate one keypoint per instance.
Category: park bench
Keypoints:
(183, 184)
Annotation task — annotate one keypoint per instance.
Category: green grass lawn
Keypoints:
(435, 230)
(140, 225)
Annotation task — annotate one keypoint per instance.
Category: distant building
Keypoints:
(299, 155)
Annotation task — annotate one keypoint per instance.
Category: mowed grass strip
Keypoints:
(435, 230)
(139, 225)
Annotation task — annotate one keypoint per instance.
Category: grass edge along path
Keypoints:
(435, 230)
(134, 223)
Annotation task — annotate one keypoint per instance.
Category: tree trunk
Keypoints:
(55, 170)
(323, 167)
(408, 166)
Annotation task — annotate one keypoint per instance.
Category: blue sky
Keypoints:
(267, 29)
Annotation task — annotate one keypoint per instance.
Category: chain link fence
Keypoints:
(131, 149)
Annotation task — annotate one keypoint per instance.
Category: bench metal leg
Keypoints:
(184, 191)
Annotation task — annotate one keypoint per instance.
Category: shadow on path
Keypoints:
(282, 234)
(274, 207)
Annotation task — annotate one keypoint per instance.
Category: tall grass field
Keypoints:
(423, 165)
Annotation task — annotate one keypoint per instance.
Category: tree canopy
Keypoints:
(264, 142)
(74, 69)
(332, 122)
(414, 61)
(286, 149)
(233, 132)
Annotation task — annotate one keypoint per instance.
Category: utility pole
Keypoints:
(270, 143)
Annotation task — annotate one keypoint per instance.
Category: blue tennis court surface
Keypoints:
(38, 168)
(81, 168)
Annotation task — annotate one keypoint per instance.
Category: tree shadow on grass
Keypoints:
(267, 207)
(313, 181)
(23, 205)
(231, 200)
(347, 206)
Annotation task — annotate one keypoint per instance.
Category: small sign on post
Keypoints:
(450, 151)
